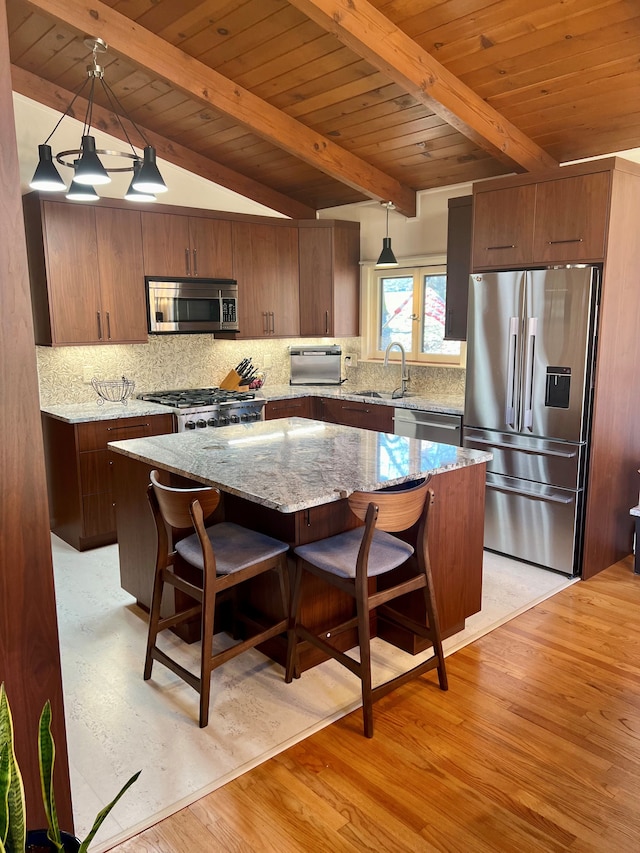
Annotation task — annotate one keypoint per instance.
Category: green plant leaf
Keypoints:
(105, 811)
(47, 757)
(16, 832)
(5, 783)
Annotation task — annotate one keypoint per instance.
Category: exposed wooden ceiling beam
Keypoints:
(208, 86)
(366, 31)
(34, 87)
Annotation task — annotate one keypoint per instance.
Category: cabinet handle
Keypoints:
(128, 426)
(108, 327)
(326, 322)
(99, 326)
(509, 246)
(187, 261)
(354, 409)
(265, 322)
(555, 242)
(307, 515)
(195, 262)
(272, 330)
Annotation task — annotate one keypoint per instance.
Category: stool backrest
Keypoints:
(397, 510)
(175, 504)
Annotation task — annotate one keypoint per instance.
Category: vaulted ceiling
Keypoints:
(307, 104)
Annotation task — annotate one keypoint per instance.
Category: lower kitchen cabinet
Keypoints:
(81, 505)
(298, 407)
(350, 413)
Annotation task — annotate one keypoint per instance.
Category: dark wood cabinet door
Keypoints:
(571, 219)
(329, 278)
(72, 277)
(316, 281)
(210, 242)
(503, 227)
(458, 267)
(300, 407)
(166, 244)
(265, 260)
(362, 415)
(121, 272)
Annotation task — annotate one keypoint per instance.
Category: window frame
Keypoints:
(417, 268)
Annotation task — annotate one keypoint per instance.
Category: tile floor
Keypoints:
(117, 723)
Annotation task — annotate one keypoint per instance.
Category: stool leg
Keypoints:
(206, 650)
(154, 618)
(294, 613)
(364, 641)
(434, 625)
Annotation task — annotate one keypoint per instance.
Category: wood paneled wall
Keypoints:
(29, 650)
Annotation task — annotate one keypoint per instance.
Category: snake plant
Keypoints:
(13, 834)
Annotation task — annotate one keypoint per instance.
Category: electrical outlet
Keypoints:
(351, 360)
(267, 361)
(87, 374)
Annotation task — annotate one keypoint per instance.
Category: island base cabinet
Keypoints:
(456, 542)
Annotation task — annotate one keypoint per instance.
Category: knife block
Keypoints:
(231, 381)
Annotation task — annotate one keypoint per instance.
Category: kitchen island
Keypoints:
(290, 478)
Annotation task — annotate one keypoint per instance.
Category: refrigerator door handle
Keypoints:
(529, 365)
(512, 371)
(537, 496)
(532, 451)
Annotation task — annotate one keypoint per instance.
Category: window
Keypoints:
(407, 305)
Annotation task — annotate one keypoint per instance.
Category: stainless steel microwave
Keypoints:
(177, 306)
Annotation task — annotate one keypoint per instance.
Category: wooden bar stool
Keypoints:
(227, 555)
(348, 560)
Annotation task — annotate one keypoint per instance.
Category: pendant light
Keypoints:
(79, 191)
(134, 194)
(89, 170)
(387, 258)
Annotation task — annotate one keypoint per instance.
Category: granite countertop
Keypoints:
(294, 463)
(452, 404)
(76, 413)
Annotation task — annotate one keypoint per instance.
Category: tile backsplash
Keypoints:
(197, 361)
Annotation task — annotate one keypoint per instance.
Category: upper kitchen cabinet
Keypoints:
(503, 227)
(180, 245)
(458, 267)
(329, 278)
(265, 262)
(85, 267)
(527, 222)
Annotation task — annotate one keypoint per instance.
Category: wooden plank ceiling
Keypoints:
(308, 104)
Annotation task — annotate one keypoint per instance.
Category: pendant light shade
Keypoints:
(387, 258)
(149, 179)
(46, 177)
(132, 193)
(89, 169)
(81, 192)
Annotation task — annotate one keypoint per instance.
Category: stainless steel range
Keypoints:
(202, 408)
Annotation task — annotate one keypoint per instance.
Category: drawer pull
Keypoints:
(573, 240)
(128, 426)
(510, 246)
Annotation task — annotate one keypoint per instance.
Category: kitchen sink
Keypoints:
(384, 395)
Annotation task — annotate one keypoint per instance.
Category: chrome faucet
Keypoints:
(404, 373)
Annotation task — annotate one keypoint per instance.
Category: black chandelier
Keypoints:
(88, 170)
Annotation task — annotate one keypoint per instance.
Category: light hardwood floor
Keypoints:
(535, 747)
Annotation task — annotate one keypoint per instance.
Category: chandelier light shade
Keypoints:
(81, 192)
(46, 177)
(149, 179)
(132, 193)
(387, 258)
(89, 170)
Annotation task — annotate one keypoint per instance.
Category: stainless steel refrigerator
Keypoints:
(531, 344)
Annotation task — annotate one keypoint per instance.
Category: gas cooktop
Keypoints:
(191, 397)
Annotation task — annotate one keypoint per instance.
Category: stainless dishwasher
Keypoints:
(430, 426)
